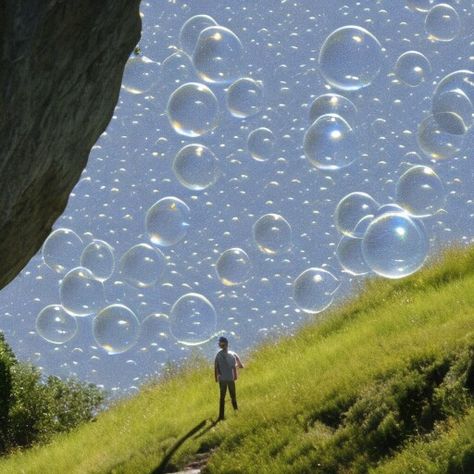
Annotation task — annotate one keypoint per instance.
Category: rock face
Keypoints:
(61, 65)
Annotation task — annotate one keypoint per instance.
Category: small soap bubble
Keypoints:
(260, 144)
(349, 254)
(333, 104)
(442, 23)
(62, 250)
(55, 325)
(272, 234)
(412, 68)
(191, 29)
(351, 210)
(233, 267)
(140, 74)
(245, 98)
(98, 257)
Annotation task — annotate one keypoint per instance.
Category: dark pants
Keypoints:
(223, 384)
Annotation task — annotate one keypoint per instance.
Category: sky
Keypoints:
(399, 133)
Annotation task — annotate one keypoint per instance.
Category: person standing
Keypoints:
(225, 372)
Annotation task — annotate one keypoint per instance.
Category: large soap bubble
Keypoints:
(167, 221)
(330, 143)
(412, 68)
(155, 333)
(442, 23)
(193, 109)
(350, 58)
(218, 55)
(233, 267)
(193, 319)
(395, 245)
(352, 209)
(62, 250)
(177, 69)
(420, 191)
(244, 97)
(116, 328)
(55, 325)
(260, 144)
(81, 293)
(142, 266)
(349, 254)
(314, 290)
(191, 30)
(196, 167)
(453, 111)
(333, 104)
(272, 234)
(140, 74)
(98, 257)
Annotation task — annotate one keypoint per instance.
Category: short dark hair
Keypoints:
(223, 339)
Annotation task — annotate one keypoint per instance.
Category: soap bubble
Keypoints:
(116, 328)
(334, 104)
(260, 144)
(142, 266)
(196, 167)
(349, 254)
(140, 74)
(442, 23)
(193, 319)
(420, 191)
(420, 5)
(244, 98)
(314, 290)
(462, 80)
(191, 29)
(98, 257)
(330, 143)
(193, 109)
(412, 68)
(55, 325)
(218, 55)
(233, 267)
(352, 209)
(177, 69)
(389, 207)
(155, 333)
(62, 250)
(350, 58)
(167, 221)
(453, 111)
(81, 293)
(272, 234)
(395, 245)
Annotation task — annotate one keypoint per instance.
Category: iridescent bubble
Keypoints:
(155, 333)
(218, 55)
(442, 23)
(142, 266)
(352, 209)
(193, 109)
(55, 325)
(272, 234)
(395, 245)
(420, 191)
(349, 254)
(333, 104)
(412, 68)
(350, 58)
(260, 144)
(196, 167)
(81, 293)
(167, 221)
(116, 329)
(314, 290)
(62, 250)
(191, 29)
(140, 74)
(233, 267)
(193, 319)
(453, 111)
(245, 98)
(98, 257)
(330, 143)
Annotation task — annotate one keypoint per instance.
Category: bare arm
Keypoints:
(239, 362)
(216, 370)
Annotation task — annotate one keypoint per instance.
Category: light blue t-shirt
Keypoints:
(226, 363)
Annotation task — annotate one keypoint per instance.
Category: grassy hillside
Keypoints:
(385, 384)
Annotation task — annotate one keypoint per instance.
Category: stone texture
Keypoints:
(61, 65)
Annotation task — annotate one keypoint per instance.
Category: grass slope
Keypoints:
(384, 384)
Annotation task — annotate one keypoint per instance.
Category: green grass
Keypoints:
(384, 384)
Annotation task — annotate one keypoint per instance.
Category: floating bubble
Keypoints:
(260, 144)
(140, 74)
(233, 267)
(177, 69)
(116, 328)
(55, 325)
(98, 257)
(155, 333)
(395, 245)
(442, 23)
(62, 250)
(218, 55)
(412, 68)
(193, 319)
(330, 143)
(333, 104)
(314, 290)
(420, 5)
(272, 234)
(352, 209)
(191, 29)
(349, 254)
(142, 266)
(453, 111)
(390, 207)
(245, 98)
(81, 293)
(193, 109)
(420, 191)
(462, 80)
(350, 58)
(167, 221)
(196, 167)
